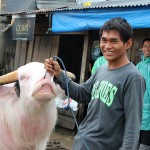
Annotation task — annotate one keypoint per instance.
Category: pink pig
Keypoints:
(28, 112)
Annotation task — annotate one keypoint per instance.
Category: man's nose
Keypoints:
(108, 45)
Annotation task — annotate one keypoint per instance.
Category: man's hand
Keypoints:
(52, 67)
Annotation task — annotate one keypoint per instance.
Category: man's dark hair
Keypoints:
(146, 39)
(121, 25)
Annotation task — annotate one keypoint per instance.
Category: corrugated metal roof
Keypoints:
(20, 5)
(103, 4)
(3, 5)
(46, 6)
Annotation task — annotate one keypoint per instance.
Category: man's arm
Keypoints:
(80, 93)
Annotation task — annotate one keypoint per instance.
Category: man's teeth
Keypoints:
(108, 52)
(147, 52)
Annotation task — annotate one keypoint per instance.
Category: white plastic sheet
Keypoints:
(64, 103)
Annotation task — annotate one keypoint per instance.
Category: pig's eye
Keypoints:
(22, 77)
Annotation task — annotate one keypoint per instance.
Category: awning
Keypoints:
(89, 19)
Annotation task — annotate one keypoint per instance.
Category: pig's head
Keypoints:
(28, 111)
(32, 84)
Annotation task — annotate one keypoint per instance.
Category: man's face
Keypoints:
(146, 49)
(113, 47)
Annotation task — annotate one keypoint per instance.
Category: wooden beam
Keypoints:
(44, 48)
(17, 55)
(81, 107)
(30, 51)
(36, 47)
(55, 45)
(74, 33)
(84, 59)
(24, 46)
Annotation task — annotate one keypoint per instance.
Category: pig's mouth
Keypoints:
(45, 92)
(45, 88)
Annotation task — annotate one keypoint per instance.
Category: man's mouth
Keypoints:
(108, 52)
(146, 53)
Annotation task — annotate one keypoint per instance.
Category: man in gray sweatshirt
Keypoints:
(114, 94)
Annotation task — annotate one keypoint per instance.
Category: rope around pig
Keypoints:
(68, 98)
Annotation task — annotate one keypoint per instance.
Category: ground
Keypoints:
(61, 139)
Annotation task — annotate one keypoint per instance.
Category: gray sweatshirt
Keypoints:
(114, 114)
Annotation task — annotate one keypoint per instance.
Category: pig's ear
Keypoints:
(7, 92)
(61, 92)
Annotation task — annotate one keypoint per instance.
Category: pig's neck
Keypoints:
(33, 125)
(33, 121)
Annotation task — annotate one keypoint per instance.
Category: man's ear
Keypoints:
(129, 43)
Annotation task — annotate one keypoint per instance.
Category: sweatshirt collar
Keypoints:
(146, 59)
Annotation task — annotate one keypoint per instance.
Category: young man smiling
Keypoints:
(144, 68)
(114, 93)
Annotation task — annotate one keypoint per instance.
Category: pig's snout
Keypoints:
(45, 90)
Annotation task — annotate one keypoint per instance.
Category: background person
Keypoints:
(99, 62)
(97, 58)
(144, 68)
(114, 93)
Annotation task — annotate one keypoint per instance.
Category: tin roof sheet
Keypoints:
(46, 6)
(103, 4)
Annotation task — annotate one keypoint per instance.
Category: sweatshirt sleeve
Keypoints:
(80, 93)
(133, 101)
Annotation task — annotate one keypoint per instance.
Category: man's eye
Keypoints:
(146, 47)
(103, 41)
(114, 41)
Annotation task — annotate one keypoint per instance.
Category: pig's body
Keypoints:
(27, 121)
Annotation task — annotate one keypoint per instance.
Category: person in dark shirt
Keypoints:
(114, 94)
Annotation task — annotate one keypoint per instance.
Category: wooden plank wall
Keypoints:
(41, 48)
(84, 59)
(43, 45)
(7, 52)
